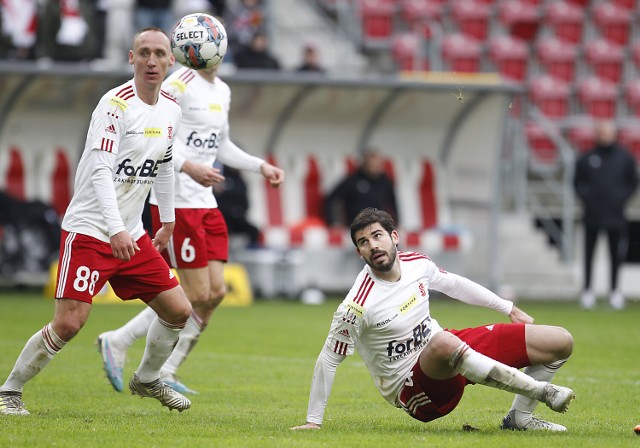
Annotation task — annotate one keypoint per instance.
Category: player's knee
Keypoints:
(442, 345)
(565, 343)
(217, 293)
(66, 329)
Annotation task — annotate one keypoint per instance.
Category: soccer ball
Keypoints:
(199, 41)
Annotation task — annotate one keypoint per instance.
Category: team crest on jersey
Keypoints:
(170, 131)
(423, 290)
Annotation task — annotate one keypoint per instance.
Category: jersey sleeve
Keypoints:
(108, 123)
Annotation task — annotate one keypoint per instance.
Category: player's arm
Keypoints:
(468, 291)
(163, 187)
(323, 376)
(123, 245)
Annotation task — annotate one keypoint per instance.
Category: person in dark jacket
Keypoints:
(256, 55)
(605, 179)
(368, 186)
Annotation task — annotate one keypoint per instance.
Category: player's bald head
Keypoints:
(150, 33)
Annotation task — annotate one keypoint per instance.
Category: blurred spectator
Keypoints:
(242, 21)
(310, 59)
(20, 19)
(605, 180)
(256, 55)
(156, 13)
(368, 186)
(233, 202)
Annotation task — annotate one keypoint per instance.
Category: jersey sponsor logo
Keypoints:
(152, 132)
(401, 349)
(356, 309)
(179, 85)
(119, 103)
(197, 141)
(111, 128)
(215, 107)
(406, 306)
(386, 321)
(148, 168)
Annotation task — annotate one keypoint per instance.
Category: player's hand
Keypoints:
(203, 174)
(306, 426)
(123, 246)
(273, 174)
(518, 316)
(162, 236)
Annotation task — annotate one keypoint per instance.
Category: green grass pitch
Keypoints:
(253, 368)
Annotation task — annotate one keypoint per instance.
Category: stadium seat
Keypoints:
(605, 58)
(417, 13)
(566, 19)
(632, 96)
(472, 18)
(629, 137)
(377, 20)
(543, 150)
(461, 53)
(14, 184)
(558, 58)
(598, 97)
(581, 3)
(626, 4)
(522, 19)
(550, 95)
(510, 56)
(407, 52)
(61, 183)
(314, 199)
(612, 21)
(582, 136)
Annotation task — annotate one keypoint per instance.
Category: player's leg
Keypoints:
(588, 298)
(69, 317)
(618, 244)
(202, 277)
(548, 348)
(446, 355)
(113, 345)
(195, 283)
(173, 310)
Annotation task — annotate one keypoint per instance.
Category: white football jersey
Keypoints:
(141, 137)
(387, 323)
(203, 133)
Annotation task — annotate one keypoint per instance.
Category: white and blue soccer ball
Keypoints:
(199, 41)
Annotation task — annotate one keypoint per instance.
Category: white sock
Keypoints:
(135, 329)
(36, 354)
(161, 339)
(486, 371)
(187, 340)
(524, 406)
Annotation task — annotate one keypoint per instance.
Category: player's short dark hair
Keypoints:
(370, 216)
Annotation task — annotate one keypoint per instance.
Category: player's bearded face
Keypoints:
(377, 247)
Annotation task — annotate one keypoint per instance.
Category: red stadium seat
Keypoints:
(626, 4)
(550, 95)
(632, 96)
(510, 55)
(605, 58)
(15, 175)
(582, 136)
(543, 150)
(472, 18)
(407, 52)
(566, 19)
(521, 18)
(558, 58)
(377, 19)
(462, 53)
(612, 21)
(61, 183)
(416, 14)
(314, 199)
(629, 137)
(273, 199)
(598, 97)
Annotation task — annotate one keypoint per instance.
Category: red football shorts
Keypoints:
(200, 235)
(86, 264)
(428, 399)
